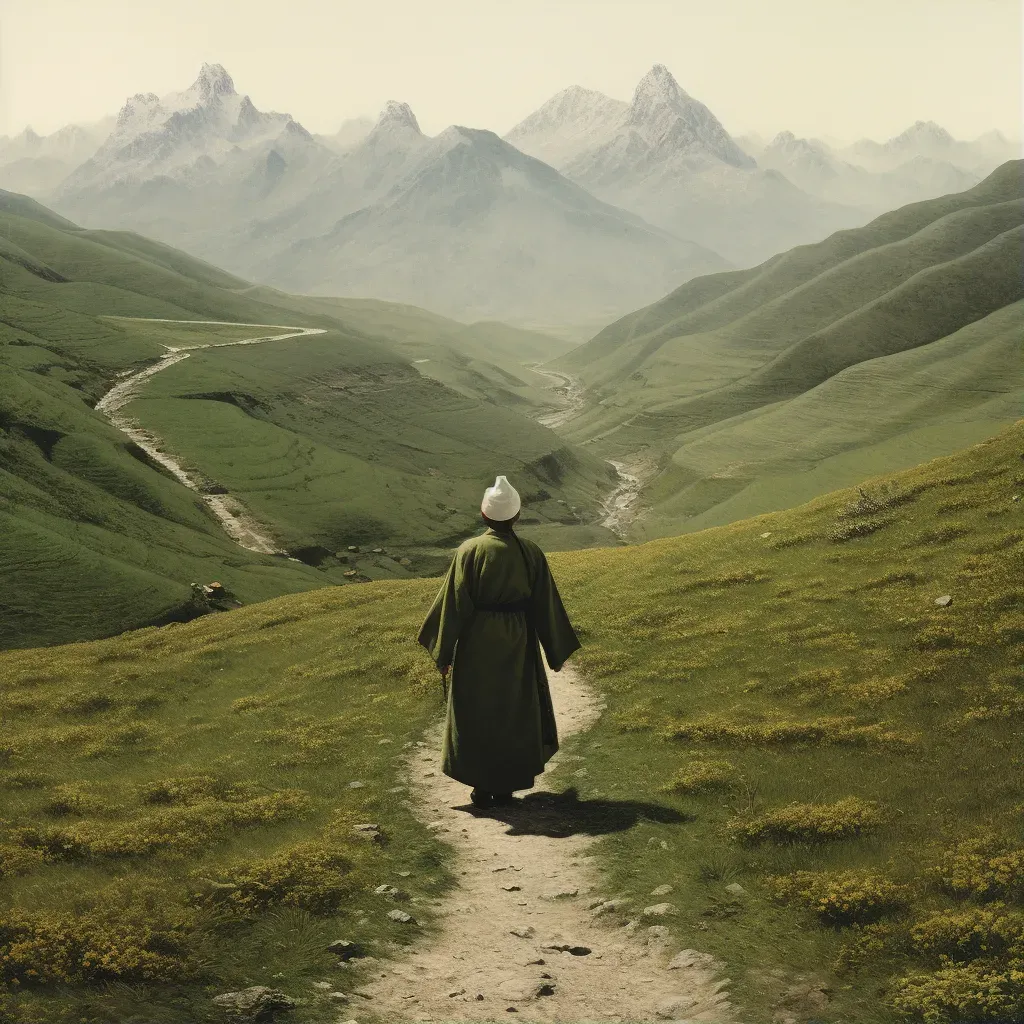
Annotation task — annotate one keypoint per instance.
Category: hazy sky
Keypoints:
(842, 68)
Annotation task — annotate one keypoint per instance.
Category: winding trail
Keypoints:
(526, 887)
(232, 515)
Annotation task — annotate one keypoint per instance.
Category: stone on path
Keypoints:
(345, 948)
(660, 910)
(687, 958)
(523, 933)
(609, 906)
(255, 1003)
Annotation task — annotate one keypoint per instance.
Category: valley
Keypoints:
(760, 394)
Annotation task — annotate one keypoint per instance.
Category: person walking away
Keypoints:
(498, 605)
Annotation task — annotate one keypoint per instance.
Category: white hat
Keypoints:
(501, 502)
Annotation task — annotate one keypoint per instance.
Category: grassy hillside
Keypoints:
(97, 539)
(180, 816)
(755, 390)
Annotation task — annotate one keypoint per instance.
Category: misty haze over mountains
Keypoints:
(589, 207)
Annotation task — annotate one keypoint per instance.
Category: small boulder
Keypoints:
(944, 602)
(401, 917)
(736, 889)
(609, 907)
(662, 890)
(660, 910)
(526, 932)
(353, 547)
(690, 958)
(346, 949)
(255, 1003)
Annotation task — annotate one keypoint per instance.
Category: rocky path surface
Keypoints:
(528, 930)
(232, 515)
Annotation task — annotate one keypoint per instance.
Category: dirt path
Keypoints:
(526, 887)
(232, 515)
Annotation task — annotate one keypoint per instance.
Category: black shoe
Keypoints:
(481, 798)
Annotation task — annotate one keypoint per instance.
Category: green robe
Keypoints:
(500, 728)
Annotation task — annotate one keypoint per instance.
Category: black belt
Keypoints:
(509, 608)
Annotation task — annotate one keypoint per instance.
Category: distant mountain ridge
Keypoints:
(249, 189)
(477, 226)
(668, 158)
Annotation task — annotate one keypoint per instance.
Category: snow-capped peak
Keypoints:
(924, 132)
(213, 81)
(658, 86)
(569, 123)
(398, 116)
(669, 119)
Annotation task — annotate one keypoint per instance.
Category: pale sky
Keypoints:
(839, 68)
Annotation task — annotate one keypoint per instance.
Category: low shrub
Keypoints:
(312, 876)
(191, 789)
(810, 823)
(131, 933)
(972, 933)
(172, 828)
(843, 898)
(983, 867)
(859, 528)
(837, 730)
(702, 776)
(17, 860)
(867, 943)
(963, 993)
(74, 799)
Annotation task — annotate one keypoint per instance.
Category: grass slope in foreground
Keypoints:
(868, 352)
(178, 814)
(95, 539)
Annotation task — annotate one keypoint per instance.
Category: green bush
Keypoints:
(313, 876)
(172, 828)
(983, 867)
(972, 933)
(962, 993)
(810, 823)
(131, 933)
(843, 898)
(703, 776)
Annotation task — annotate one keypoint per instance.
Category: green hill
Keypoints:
(318, 435)
(178, 821)
(870, 351)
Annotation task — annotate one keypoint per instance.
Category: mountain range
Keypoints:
(589, 207)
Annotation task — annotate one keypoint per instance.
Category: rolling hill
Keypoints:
(96, 538)
(785, 696)
(870, 351)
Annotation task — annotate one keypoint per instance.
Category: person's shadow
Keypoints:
(559, 815)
